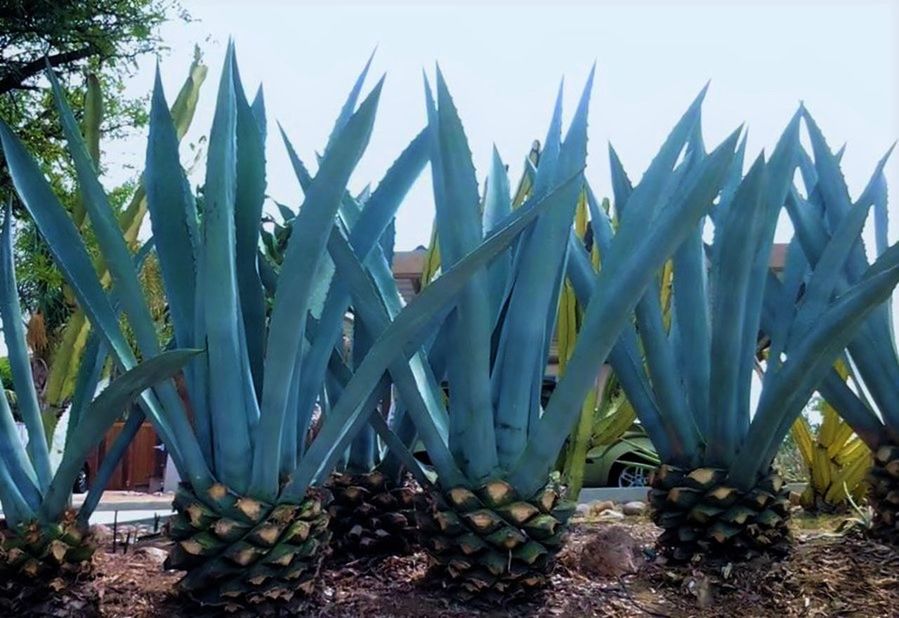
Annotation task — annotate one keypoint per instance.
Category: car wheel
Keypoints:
(624, 475)
(80, 486)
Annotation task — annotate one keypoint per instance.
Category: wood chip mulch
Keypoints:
(607, 570)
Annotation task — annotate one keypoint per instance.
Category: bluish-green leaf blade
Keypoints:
(305, 251)
(19, 361)
(230, 403)
(100, 415)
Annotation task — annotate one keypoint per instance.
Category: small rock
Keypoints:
(597, 507)
(101, 533)
(610, 515)
(795, 498)
(582, 510)
(607, 552)
(155, 554)
(702, 590)
(634, 508)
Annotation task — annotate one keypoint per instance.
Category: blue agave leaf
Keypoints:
(413, 379)
(864, 422)
(796, 269)
(497, 206)
(624, 357)
(825, 276)
(646, 200)
(379, 211)
(388, 241)
(405, 332)
(621, 184)
(350, 104)
(398, 448)
(173, 216)
(305, 251)
(529, 319)
(636, 256)
(249, 197)
(232, 403)
(497, 201)
(19, 494)
(740, 237)
(547, 171)
(781, 403)
(662, 365)
(834, 193)
(691, 314)
(72, 258)
(459, 231)
(19, 361)
(100, 415)
(173, 219)
(781, 169)
(258, 109)
(106, 228)
(734, 177)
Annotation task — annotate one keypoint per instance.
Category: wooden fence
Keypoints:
(143, 465)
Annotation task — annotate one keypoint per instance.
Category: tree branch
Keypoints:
(16, 75)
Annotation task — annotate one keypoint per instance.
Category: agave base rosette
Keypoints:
(701, 514)
(32, 550)
(885, 492)
(490, 544)
(35, 557)
(371, 515)
(245, 554)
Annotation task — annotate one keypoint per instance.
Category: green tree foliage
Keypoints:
(93, 46)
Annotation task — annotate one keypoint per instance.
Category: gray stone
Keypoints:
(101, 533)
(155, 554)
(598, 506)
(610, 515)
(634, 508)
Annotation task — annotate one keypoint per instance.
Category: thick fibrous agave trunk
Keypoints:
(371, 516)
(885, 492)
(243, 553)
(701, 514)
(32, 550)
(491, 544)
(35, 557)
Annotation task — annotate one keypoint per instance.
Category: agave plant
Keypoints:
(43, 540)
(371, 513)
(606, 413)
(249, 525)
(870, 410)
(836, 460)
(493, 525)
(715, 492)
(68, 348)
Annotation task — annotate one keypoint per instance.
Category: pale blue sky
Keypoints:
(503, 64)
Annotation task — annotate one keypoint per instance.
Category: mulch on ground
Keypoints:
(607, 570)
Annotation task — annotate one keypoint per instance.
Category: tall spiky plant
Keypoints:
(44, 542)
(69, 346)
(836, 460)
(715, 492)
(371, 513)
(249, 525)
(493, 526)
(872, 408)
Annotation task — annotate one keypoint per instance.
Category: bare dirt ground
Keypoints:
(607, 570)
